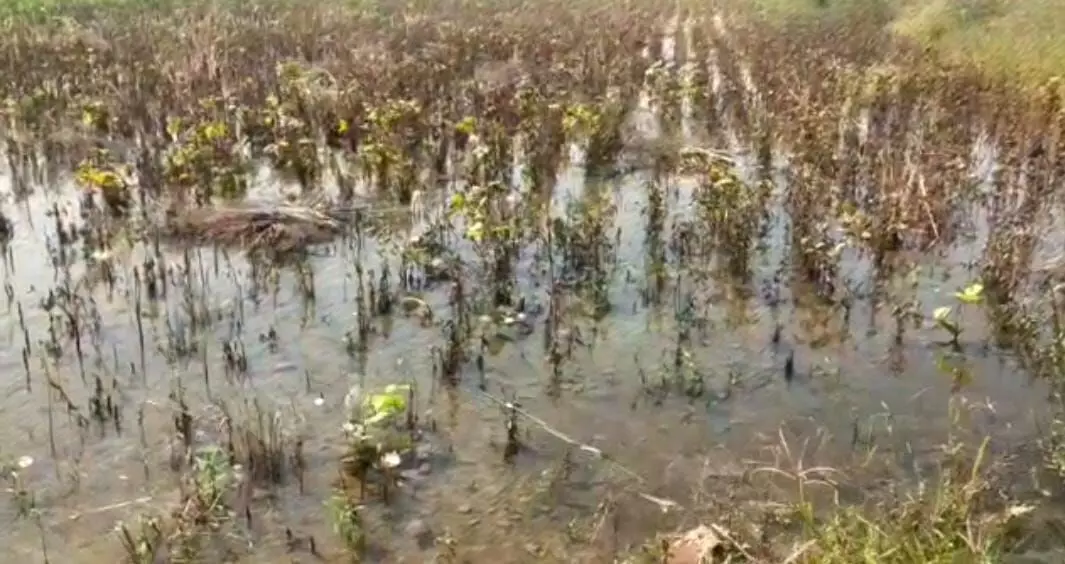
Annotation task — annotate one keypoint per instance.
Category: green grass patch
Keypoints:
(1017, 38)
(814, 10)
(1004, 37)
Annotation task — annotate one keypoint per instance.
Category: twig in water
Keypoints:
(79, 514)
(663, 503)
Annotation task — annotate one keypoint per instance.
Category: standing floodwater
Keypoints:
(398, 283)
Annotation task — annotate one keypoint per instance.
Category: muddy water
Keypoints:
(852, 382)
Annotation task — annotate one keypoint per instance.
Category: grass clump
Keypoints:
(946, 522)
(959, 515)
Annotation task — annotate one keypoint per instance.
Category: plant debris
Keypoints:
(283, 229)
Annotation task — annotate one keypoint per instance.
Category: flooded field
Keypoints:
(513, 297)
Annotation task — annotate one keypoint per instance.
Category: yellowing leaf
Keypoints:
(467, 126)
(173, 127)
(475, 232)
(214, 131)
(972, 294)
(458, 202)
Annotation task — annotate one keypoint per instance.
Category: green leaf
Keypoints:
(392, 401)
(387, 403)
